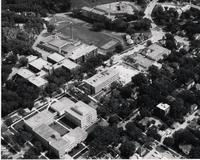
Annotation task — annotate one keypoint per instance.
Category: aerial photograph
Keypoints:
(100, 79)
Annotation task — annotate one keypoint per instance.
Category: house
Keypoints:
(101, 80)
(163, 108)
(185, 148)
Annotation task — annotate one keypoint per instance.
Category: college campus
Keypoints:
(100, 79)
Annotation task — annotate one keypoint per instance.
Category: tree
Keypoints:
(126, 92)
(169, 141)
(119, 48)
(139, 79)
(149, 42)
(50, 28)
(23, 61)
(113, 120)
(98, 26)
(127, 149)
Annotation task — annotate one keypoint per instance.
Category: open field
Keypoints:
(83, 33)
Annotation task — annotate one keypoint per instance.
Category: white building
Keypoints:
(78, 113)
(25, 73)
(164, 107)
(101, 80)
(82, 52)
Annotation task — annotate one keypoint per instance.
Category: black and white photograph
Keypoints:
(100, 79)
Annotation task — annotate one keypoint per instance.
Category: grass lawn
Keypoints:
(81, 32)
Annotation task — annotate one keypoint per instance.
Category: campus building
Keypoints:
(82, 53)
(109, 11)
(155, 52)
(79, 113)
(55, 58)
(58, 136)
(101, 80)
(39, 64)
(69, 65)
(75, 50)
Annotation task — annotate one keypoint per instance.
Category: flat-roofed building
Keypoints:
(25, 73)
(31, 58)
(62, 105)
(101, 80)
(109, 46)
(69, 65)
(36, 120)
(109, 11)
(82, 114)
(78, 113)
(55, 58)
(163, 107)
(56, 43)
(83, 52)
(60, 145)
(38, 64)
(155, 52)
(38, 82)
(74, 137)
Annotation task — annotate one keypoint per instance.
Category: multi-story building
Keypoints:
(53, 135)
(101, 80)
(82, 52)
(79, 113)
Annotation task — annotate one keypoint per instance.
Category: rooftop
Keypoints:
(74, 137)
(82, 50)
(101, 77)
(31, 58)
(53, 137)
(57, 42)
(25, 73)
(163, 106)
(156, 51)
(76, 109)
(69, 64)
(56, 57)
(62, 105)
(39, 63)
(109, 44)
(35, 121)
(142, 61)
(38, 81)
(117, 7)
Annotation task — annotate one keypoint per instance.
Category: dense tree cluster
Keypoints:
(42, 7)
(102, 137)
(157, 85)
(188, 21)
(18, 94)
(128, 23)
(186, 137)
(117, 102)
